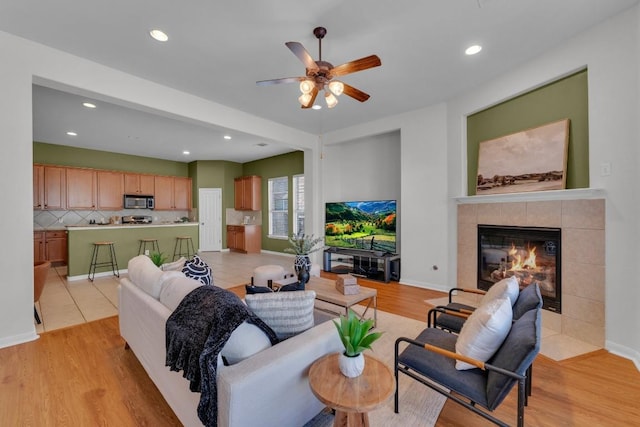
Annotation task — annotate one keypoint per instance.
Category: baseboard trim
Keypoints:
(425, 285)
(19, 339)
(623, 351)
(101, 274)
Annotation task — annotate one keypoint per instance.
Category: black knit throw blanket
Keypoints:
(196, 332)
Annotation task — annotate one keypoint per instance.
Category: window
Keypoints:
(298, 204)
(279, 207)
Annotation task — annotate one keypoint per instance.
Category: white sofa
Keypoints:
(269, 388)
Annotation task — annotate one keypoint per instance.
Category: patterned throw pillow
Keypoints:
(197, 269)
(287, 313)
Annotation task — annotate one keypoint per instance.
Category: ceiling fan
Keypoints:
(320, 75)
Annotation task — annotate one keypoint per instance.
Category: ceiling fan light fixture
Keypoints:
(331, 100)
(336, 87)
(304, 99)
(306, 86)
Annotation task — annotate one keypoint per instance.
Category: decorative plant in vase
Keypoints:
(302, 245)
(355, 336)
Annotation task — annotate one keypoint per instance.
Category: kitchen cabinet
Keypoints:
(248, 193)
(138, 184)
(50, 246)
(110, 190)
(81, 189)
(49, 187)
(244, 238)
(172, 193)
(38, 246)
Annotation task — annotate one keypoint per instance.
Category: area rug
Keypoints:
(419, 405)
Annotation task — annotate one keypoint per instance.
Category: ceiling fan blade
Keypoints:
(279, 81)
(302, 54)
(355, 93)
(355, 66)
(314, 93)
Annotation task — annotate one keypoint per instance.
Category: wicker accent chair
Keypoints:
(431, 358)
(40, 271)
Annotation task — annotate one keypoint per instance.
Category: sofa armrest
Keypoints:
(271, 388)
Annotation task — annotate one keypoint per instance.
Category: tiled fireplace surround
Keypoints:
(583, 256)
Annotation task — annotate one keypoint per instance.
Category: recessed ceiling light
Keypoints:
(316, 107)
(89, 105)
(186, 153)
(472, 50)
(227, 137)
(161, 36)
(71, 133)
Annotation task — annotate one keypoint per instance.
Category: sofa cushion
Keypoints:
(144, 274)
(175, 265)
(507, 287)
(175, 287)
(484, 331)
(197, 269)
(287, 313)
(245, 341)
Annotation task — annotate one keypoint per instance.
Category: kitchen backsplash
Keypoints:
(52, 220)
(235, 217)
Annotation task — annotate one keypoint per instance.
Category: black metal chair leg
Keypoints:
(35, 314)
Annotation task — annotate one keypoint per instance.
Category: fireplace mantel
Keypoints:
(534, 196)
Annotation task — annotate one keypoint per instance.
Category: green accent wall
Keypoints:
(288, 164)
(562, 99)
(63, 155)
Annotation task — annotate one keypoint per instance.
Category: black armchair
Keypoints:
(431, 359)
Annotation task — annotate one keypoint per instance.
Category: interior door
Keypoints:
(210, 214)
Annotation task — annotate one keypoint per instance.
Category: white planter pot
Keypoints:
(351, 367)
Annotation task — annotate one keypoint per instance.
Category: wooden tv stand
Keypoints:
(359, 262)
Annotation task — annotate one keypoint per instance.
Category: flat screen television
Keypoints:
(368, 225)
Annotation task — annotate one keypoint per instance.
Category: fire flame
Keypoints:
(518, 263)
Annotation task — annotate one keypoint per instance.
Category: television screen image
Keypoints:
(368, 225)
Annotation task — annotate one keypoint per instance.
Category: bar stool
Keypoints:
(142, 248)
(112, 262)
(178, 251)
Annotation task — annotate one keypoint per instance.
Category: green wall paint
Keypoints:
(562, 99)
(81, 157)
(126, 243)
(284, 165)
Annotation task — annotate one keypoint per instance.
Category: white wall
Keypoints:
(438, 134)
(24, 63)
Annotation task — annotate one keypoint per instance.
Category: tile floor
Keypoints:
(66, 303)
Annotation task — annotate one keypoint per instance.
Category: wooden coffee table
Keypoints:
(326, 291)
(352, 398)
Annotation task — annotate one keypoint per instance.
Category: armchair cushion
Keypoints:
(484, 331)
(528, 299)
(442, 369)
(516, 354)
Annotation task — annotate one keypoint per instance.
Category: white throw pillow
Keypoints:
(287, 313)
(245, 341)
(484, 331)
(507, 287)
(144, 274)
(175, 288)
(175, 265)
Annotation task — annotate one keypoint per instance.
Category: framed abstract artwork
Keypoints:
(530, 160)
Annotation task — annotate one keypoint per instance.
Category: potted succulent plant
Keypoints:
(355, 336)
(302, 245)
(158, 258)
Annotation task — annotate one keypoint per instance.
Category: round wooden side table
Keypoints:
(352, 398)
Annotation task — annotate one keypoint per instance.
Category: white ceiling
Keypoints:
(218, 50)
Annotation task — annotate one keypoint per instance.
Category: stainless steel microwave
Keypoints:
(138, 202)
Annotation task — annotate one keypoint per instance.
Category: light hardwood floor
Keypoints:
(83, 376)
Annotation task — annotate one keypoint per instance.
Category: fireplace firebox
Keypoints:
(531, 254)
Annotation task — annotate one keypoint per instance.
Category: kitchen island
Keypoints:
(126, 238)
